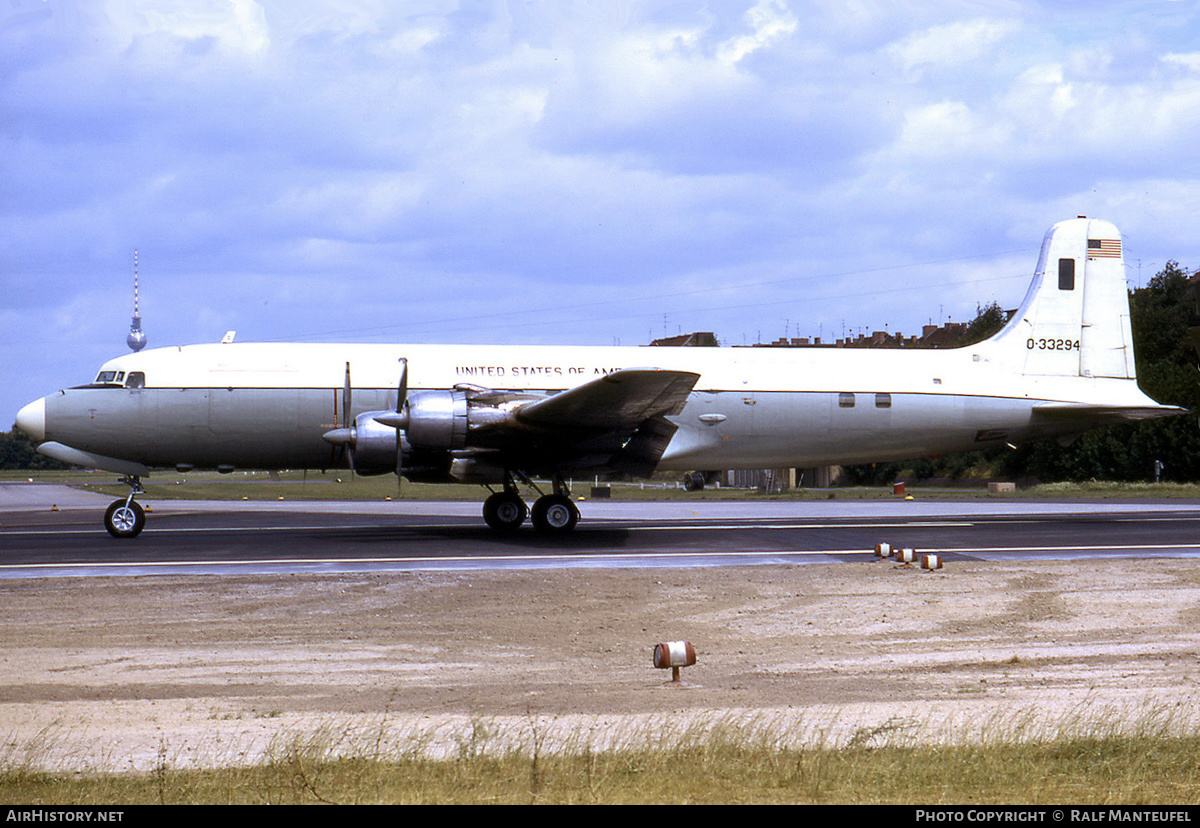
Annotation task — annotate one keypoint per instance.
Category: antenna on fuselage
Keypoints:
(137, 338)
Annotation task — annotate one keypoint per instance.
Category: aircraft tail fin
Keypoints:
(1074, 321)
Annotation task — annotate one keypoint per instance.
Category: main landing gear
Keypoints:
(552, 514)
(126, 518)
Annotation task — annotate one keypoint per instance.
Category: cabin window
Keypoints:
(1066, 274)
(846, 399)
(883, 400)
(136, 379)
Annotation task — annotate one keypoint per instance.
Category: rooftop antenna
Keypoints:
(136, 339)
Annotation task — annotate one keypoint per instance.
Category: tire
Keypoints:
(125, 521)
(554, 515)
(505, 512)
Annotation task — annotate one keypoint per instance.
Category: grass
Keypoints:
(343, 486)
(718, 761)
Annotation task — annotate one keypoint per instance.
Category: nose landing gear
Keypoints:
(126, 518)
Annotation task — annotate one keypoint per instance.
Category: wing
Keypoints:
(616, 401)
(615, 423)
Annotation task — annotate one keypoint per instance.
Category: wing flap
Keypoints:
(641, 453)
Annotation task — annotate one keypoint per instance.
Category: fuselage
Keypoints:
(266, 406)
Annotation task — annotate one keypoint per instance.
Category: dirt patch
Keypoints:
(124, 673)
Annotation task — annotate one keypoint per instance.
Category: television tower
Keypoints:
(136, 339)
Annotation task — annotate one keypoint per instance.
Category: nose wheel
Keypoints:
(126, 518)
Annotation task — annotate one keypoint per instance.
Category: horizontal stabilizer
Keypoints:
(617, 401)
(1106, 413)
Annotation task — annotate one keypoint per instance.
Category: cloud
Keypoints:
(951, 46)
(563, 172)
(234, 25)
(1189, 61)
(769, 20)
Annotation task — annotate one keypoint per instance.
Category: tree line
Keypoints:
(17, 452)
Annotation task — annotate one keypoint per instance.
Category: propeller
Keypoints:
(343, 437)
(346, 436)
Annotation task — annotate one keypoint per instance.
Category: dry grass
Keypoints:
(1083, 758)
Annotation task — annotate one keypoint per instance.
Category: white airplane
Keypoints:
(502, 416)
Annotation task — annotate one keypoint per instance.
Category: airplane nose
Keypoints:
(32, 420)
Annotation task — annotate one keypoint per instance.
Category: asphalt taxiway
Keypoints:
(50, 531)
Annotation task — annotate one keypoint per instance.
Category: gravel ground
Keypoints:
(128, 673)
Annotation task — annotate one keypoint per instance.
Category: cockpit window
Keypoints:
(136, 379)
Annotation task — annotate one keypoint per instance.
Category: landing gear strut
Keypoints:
(552, 514)
(126, 518)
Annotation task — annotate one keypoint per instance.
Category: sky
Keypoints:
(567, 172)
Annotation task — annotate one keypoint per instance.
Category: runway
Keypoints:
(211, 537)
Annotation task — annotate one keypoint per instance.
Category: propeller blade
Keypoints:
(401, 402)
(347, 415)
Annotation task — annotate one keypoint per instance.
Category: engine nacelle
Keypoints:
(436, 420)
(417, 439)
(375, 445)
(420, 437)
(423, 434)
